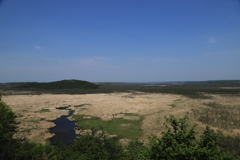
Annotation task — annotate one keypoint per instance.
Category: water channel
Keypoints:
(64, 129)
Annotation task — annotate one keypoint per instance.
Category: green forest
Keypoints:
(64, 84)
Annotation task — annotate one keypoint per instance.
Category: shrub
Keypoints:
(8, 130)
(98, 147)
(180, 142)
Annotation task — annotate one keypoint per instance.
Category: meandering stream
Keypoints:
(64, 129)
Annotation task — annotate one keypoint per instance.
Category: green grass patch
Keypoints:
(172, 105)
(130, 114)
(123, 128)
(42, 111)
(178, 100)
(81, 105)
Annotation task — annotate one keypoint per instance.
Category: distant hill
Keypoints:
(64, 84)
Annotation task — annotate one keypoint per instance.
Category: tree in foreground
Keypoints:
(180, 142)
(8, 129)
(85, 147)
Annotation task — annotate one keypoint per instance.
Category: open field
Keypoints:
(129, 115)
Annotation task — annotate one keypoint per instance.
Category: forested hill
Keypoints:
(64, 84)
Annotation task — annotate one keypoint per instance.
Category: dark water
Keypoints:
(64, 129)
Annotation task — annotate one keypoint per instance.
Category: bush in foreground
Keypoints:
(9, 141)
(180, 142)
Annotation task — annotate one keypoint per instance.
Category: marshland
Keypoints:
(126, 111)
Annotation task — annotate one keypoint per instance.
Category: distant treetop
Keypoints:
(64, 84)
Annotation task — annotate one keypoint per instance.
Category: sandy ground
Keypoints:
(106, 106)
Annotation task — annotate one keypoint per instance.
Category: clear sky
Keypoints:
(119, 40)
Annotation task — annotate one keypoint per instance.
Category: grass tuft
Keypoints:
(123, 128)
(42, 111)
(81, 105)
(172, 105)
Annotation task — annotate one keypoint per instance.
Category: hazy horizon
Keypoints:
(150, 82)
(119, 41)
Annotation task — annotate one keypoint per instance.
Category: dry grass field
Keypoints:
(36, 111)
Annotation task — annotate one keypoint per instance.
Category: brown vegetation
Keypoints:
(35, 111)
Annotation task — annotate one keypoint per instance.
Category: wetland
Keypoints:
(125, 110)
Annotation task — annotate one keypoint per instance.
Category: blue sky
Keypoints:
(119, 40)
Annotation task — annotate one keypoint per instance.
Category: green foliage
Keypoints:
(85, 147)
(133, 148)
(230, 144)
(180, 142)
(32, 151)
(98, 147)
(8, 130)
(64, 84)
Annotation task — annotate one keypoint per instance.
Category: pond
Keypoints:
(64, 129)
